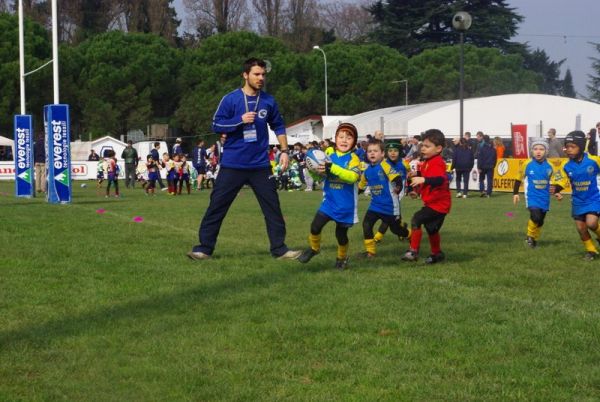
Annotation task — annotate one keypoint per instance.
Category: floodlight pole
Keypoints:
(461, 91)
(55, 51)
(325, 58)
(461, 22)
(21, 57)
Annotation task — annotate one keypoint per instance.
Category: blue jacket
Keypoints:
(237, 153)
(463, 159)
(486, 158)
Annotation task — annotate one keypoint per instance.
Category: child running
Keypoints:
(385, 184)
(152, 168)
(435, 193)
(112, 173)
(401, 166)
(582, 170)
(184, 175)
(340, 197)
(536, 174)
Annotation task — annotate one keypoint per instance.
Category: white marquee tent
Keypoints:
(493, 115)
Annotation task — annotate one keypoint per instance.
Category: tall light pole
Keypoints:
(405, 90)
(325, 59)
(461, 22)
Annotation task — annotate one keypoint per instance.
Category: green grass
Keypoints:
(96, 307)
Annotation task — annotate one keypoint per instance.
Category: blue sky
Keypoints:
(562, 28)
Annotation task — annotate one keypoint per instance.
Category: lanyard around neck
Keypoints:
(246, 101)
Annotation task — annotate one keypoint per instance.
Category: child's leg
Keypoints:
(180, 187)
(383, 227)
(116, 181)
(535, 223)
(341, 234)
(433, 231)
(188, 186)
(395, 224)
(458, 180)
(368, 223)
(108, 183)
(591, 220)
(314, 239)
(585, 237)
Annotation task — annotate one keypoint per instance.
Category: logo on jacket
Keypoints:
(262, 113)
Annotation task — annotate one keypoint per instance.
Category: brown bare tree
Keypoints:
(350, 21)
(217, 16)
(269, 15)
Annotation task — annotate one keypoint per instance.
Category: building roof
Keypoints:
(493, 115)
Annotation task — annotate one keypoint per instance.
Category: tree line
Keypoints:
(123, 64)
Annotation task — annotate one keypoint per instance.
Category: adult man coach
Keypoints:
(244, 115)
(131, 158)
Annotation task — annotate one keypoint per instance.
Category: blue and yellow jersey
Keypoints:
(340, 195)
(379, 178)
(401, 166)
(584, 185)
(536, 177)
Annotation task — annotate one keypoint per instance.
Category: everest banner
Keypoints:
(23, 156)
(58, 153)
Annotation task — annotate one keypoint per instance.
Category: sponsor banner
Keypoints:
(23, 166)
(519, 141)
(507, 171)
(58, 155)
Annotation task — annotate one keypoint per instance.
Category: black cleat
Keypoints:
(341, 264)
(530, 241)
(590, 256)
(307, 255)
(435, 258)
(410, 255)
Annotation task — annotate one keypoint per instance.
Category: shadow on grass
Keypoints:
(154, 306)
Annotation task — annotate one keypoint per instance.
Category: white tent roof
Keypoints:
(493, 115)
(6, 142)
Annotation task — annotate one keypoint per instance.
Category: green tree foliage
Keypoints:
(116, 82)
(359, 77)
(548, 71)
(594, 82)
(38, 85)
(434, 74)
(568, 89)
(412, 26)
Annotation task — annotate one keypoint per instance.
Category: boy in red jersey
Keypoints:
(435, 193)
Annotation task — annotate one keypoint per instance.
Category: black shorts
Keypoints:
(201, 169)
(430, 218)
(581, 217)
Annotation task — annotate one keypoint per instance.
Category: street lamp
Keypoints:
(461, 22)
(405, 90)
(325, 58)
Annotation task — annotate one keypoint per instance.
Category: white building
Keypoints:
(493, 115)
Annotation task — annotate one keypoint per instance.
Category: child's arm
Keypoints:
(362, 184)
(349, 175)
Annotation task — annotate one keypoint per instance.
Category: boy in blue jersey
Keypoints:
(582, 170)
(340, 196)
(401, 166)
(385, 184)
(536, 175)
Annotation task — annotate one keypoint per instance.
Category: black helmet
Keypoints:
(577, 137)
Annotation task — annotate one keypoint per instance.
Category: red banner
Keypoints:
(519, 140)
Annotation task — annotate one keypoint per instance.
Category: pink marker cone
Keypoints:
(138, 219)
(100, 211)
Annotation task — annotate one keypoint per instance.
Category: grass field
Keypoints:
(98, 307)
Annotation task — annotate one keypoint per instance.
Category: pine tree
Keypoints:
(568, 89)
(594, 83)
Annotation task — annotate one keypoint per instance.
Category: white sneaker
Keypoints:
(290, 255)
(459, 194)
(164, 189)
(198, 255)
(464, 196)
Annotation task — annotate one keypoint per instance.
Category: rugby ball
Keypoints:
(83, 185)
(315, 157)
